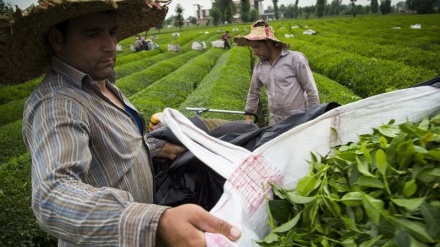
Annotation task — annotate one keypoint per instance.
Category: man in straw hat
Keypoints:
(285, 74)
(92, 180)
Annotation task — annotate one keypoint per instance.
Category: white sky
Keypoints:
(189, 8)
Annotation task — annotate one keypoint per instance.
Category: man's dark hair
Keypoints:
(62, 27)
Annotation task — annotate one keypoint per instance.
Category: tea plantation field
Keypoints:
(352, 58)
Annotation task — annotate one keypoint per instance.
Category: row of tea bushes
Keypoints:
(136, 82)
(172, 90)
(364, 76)
(141, 64)
(225, 87)
(398, 53)
(9, 93)
(19, 227)
(11, 141)
(331, 91)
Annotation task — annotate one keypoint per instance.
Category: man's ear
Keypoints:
(55, 39)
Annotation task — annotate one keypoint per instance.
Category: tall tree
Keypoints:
(374, 6)
(245, 10)
(308, 10)
(275, 8)
(385, 6)
(424, 6)
(335, 7)
(353, 7)
(216, 15)
(320, 7)
(295, 9)
(179, 21)
(226, 8)
(254, 15)
(4, 7)
(282, 9)
(410, 4)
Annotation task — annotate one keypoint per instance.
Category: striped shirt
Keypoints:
(289, 85)
(92, 182)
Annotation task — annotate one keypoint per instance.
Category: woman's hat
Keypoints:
(24, 54)
(260, 30)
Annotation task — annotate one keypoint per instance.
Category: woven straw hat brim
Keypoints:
(24, 52)
(258, 34)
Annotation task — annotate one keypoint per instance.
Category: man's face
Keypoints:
(90, 45)
(261, 50)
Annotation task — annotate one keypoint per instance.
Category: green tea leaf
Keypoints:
(352, 199)
(410, 204)
(373, 208)
(389, 130)
(381, 161)
(288, 225)
(370, 242)
(363, 167)
(409, 188)
(306, 185)
(281, 210)
(372, 182)
(416, 229)
(295, 198)
(431, 215)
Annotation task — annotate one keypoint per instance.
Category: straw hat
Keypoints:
(24, 54)
(260, 30)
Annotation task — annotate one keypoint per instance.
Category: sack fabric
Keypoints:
(284, 159)
(188, 180)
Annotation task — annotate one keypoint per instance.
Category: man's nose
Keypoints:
(109, 43)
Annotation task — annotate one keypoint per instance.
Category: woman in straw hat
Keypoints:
(92, 181)
(285, 74)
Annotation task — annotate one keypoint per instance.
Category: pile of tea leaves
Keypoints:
(383, 190)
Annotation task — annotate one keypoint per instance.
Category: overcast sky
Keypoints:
(189, 8)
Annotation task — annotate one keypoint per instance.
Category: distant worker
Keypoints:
(285, 74)
(225, 38)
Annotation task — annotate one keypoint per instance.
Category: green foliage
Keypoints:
(19, 227)
(135, 56)
(11, 111)
(135, 66)
(173, 89)
(11, 141)
(20, 91)
(223, 88)
(138, 81)
(331, 91)
(381, 191)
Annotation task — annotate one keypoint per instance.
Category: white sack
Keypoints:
(284, 160)
(218, 43)
(173, 47)
(198, 45)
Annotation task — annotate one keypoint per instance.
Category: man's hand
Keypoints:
(249, 119)
(170, 151)
(185, 226)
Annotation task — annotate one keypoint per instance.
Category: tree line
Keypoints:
(223, 11)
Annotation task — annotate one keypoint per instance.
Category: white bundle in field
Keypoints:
(175, 35)
(416, 26)
(309, 32)
(173, 47)
(198, 45)
(218, 43)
